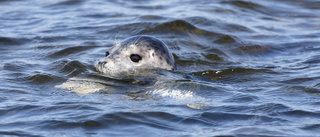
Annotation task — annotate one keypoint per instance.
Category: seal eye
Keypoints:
(135, 57)
(107, 53)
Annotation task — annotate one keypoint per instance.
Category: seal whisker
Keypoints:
(136, 42)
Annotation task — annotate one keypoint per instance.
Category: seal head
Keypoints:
(136, 54)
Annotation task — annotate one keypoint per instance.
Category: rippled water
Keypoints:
(243, 68)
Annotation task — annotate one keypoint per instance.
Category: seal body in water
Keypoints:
(136, 54)
(134, 57)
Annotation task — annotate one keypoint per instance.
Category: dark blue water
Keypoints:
(244, 68)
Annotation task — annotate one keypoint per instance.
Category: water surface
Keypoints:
(243, 68)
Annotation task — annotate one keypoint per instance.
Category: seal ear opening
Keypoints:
(135, 58)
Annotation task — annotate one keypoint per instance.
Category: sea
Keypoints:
(244, 68)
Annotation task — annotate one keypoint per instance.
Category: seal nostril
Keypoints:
(102, 63)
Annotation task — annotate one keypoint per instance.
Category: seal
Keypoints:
(136, 54)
